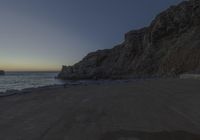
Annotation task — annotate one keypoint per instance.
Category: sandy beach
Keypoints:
(161, 109)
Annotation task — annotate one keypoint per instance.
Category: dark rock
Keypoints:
(168, 47)
(2, 72)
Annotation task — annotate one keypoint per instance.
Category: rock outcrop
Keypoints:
(168, 47)
(2, 72)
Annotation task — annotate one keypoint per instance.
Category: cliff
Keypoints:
(168, 47)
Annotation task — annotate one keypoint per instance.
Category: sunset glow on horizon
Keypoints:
(43, 35)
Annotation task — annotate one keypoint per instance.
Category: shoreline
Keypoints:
(11, 92)
(67, 84)
(88, 82)
(26, 90)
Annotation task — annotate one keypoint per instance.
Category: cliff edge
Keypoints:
(168, 47)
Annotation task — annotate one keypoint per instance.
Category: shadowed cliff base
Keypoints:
(142, 135)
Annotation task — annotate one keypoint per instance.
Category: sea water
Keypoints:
(23, 80)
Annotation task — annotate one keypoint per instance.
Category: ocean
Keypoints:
(23, 80)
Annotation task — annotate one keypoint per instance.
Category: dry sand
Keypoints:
(167, 109)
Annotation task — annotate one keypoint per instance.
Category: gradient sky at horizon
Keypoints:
(46, 34)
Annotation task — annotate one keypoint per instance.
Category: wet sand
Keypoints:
(165, 109)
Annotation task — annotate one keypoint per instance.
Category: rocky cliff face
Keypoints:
(168, 47)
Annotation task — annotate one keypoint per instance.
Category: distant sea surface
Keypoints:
(22, 80)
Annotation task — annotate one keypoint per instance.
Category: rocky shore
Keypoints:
(168, 47)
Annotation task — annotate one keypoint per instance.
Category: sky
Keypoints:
(41, 35)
